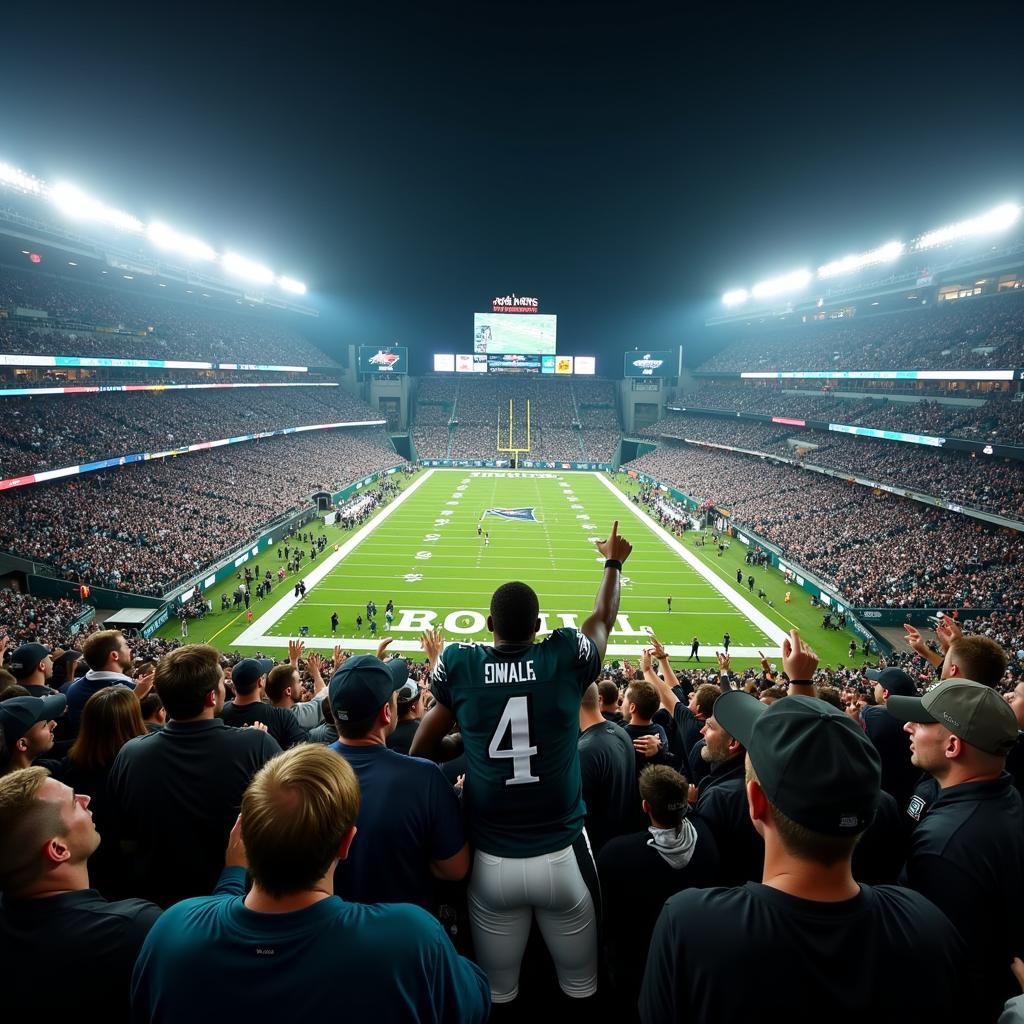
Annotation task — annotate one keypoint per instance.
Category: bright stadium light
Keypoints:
(736, 297)
(239, 266)
(792, 282)
(848, 264)
(72, 201)
(998, 219)
(19, 179)
(164, 237)
(289, 284)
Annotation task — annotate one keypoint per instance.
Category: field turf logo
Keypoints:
(524, 515)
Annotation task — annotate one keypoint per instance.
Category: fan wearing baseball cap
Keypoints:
(410, 822)
(967, 853)
(28, 724)
(812, 790)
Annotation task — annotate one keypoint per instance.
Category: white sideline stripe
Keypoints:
(680, 651)
(740, 603)
(253, 634)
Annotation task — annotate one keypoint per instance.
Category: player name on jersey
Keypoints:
(509, 672)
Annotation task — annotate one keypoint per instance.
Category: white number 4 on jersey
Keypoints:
(515, 719)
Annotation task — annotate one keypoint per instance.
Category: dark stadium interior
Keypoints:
(767, 270)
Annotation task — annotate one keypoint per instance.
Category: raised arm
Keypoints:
(599, 625)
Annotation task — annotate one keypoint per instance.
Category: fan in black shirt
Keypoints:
(49, 915)
(813, 788)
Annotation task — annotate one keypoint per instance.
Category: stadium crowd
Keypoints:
(570, 421)
(103, 528)
(983, 333)
(129, 325)
(172, 817)
(54, 431)
(999, 419)
(879, 550)
(987, 483)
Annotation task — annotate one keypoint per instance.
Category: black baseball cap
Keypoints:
(248, 670)
(363, 685)
(976, 713)
(19, 714)
(814, 763)
(25, 660)
(893, 680)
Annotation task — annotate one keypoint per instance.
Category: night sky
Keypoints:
(625, 163)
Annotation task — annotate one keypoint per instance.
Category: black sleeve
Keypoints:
(658, 1003)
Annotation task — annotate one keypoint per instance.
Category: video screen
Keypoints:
(444, 363)
(648, 364)
(514, 363)
(383, 361)
(530, 334)
(470, 364)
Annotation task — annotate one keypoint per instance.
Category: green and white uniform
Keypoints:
(518, 710)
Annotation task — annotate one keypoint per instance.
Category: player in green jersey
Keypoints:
(517, 704)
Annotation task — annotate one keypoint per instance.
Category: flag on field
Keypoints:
(525, 515)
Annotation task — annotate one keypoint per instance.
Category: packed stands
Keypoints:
(117, 323)
(877, 549)
(999, 418)
(49, 432)
(570, 421)
(981, 333)
(148, 525)
(990, 484)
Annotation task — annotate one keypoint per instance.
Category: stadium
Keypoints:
(560, 661)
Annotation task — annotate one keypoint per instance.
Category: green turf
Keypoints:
(426, 556)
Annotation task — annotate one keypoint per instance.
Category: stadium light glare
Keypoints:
(14, 178)
(164, 237)
(239, 266)
(289, 284)
(74, 203)
(792, 282)
(998, 219)
(736, 297)
(848, 264)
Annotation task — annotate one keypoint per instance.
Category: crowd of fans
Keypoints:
(999, 419)
(570, 421)
(144, 526)
(878, 550)
(171, 817)
(30, 619)
(129, 325)
(982, 482)
(982, 333)
(54, 431)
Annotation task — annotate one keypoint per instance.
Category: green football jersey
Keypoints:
(518, 710)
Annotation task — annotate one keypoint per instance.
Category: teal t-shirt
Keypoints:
(213, 960)
(518, 710)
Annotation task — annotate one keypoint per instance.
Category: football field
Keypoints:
(423, 552)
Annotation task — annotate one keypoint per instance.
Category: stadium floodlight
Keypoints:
(14, 178)
(848, 264)
(289, 284)
(73, 202)
(792, 282)
(736, 297)
(164, 237)
(239, 266)
(998, 219)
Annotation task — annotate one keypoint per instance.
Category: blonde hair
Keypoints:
(26, 822)
(295, 814)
